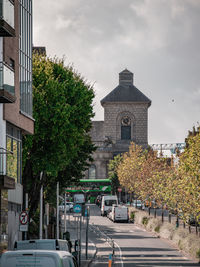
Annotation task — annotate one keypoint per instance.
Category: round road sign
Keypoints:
(77, 208)
(23, 217)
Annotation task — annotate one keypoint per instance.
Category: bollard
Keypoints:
(110, 260)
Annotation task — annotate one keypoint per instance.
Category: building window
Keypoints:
(92, 172)
(25, 57)
(14, 157)
(126, 128)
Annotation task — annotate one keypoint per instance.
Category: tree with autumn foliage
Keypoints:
(189, 176)
(145, 174)
(129, 169)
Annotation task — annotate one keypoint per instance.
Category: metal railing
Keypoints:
(3, 153)
(7, 12)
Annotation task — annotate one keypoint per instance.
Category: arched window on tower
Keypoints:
(92, 172)
(126, 128)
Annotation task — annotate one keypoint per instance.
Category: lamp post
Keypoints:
(41, 207)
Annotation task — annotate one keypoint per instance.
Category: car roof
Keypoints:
(110, 197)
(41, 240)
(39, 251)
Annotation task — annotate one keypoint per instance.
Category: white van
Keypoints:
(37, 258)
(106, 204)
(46, 244)
(119, 214)
(79, 198)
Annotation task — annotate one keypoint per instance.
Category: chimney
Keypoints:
(125, 78)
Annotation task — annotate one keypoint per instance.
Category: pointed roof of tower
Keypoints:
(126, 91)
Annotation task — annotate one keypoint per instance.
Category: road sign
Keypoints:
(77, 208)
(23, 228)
(119, 189)
(77, 214)
(23, 217)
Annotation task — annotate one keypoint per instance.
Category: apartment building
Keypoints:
(15, 110)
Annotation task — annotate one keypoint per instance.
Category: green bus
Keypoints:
(98, 186)
(91, 188)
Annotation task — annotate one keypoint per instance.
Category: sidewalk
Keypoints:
(72, 227)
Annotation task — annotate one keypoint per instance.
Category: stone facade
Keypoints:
(125, 121)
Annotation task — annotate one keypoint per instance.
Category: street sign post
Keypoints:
(87, 215)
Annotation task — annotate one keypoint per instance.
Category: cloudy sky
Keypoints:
(158, 40)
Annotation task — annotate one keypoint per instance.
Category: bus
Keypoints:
(91, 188)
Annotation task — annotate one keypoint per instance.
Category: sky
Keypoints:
(157, 40)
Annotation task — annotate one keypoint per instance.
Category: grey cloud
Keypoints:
(158, 40)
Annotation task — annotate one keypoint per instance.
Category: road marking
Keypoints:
(120, 253)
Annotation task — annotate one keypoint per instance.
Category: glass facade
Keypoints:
(14, 155)
(25, 56)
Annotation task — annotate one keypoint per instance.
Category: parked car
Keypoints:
(138, 204)
(38, 258)
(119, 213)
(69, 207)
(106, 204)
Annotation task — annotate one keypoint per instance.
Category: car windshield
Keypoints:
(110, 202)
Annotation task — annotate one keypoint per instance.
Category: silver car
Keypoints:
(69, 206)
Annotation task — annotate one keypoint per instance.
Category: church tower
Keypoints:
(126, 113)
(125, 121)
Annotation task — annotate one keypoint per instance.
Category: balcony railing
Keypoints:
(7, 84)
(6, 182)
(7, 18)
(2, 161)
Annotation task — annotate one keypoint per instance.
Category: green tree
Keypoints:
(112, 172)
(61, 145)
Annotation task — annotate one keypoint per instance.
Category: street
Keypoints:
(133, 245)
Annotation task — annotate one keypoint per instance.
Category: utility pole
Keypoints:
(41, 207)
(57, 213)
(65, 214)
(87, 226)
(26, 208)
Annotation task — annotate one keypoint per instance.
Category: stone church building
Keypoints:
(125, 120)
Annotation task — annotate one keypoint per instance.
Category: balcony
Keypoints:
(7, 84)
(7, 18)
(6, 182)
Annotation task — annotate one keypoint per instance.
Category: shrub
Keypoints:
(157, 229)
(145, 220)
(198, 254)
(132, 215)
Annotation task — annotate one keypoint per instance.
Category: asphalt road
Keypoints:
(133, 245)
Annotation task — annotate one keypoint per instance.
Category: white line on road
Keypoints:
(120, 254)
